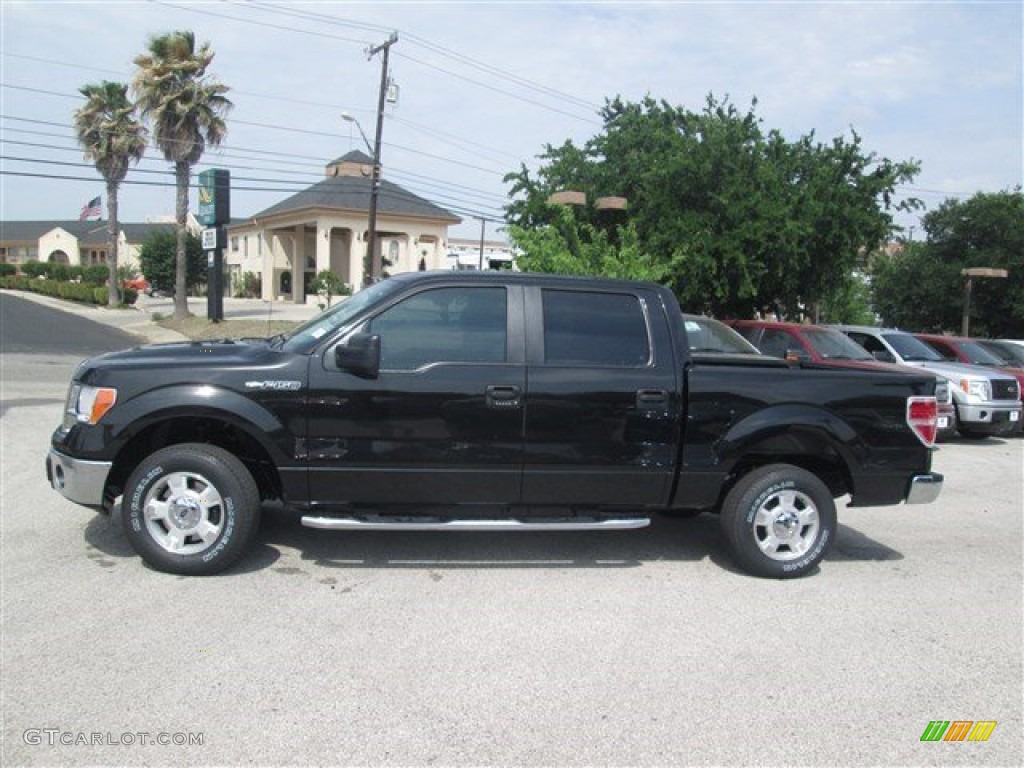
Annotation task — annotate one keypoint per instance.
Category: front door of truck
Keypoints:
(603, 406)
(442, 423)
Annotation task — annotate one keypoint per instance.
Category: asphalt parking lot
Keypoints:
(636, 648)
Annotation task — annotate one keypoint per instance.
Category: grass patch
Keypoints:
(202, 329)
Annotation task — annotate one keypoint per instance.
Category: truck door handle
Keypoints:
(503, 396)
(649, 399)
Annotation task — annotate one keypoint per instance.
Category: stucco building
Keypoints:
(73, 242)
(324, 227)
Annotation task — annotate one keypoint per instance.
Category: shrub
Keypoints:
(33, 268)
(59, 271)
(249, 286)
(96, 275)
(7, 269)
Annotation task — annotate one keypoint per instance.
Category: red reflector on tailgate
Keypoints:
(923, 418)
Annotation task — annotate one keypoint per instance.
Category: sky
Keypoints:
(483, 87)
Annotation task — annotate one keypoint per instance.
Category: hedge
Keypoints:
(85, 293)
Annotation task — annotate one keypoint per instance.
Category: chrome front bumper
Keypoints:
(76, 480)
(924, 489)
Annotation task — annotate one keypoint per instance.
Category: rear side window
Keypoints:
(589, 328)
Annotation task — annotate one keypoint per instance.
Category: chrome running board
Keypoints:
(435, 524)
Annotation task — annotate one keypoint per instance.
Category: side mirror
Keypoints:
(882, 356)
(359, 354)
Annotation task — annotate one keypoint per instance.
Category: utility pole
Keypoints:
(480, 264)
(372, 263)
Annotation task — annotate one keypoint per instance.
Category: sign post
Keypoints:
(214, 212)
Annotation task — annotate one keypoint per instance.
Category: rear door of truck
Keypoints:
(603, 403)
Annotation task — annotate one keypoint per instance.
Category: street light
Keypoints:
(351, 119)
(369, 266)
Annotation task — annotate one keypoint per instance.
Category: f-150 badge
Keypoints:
(279, 386)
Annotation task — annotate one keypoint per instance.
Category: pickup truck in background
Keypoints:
(987, 402)
(801, 343)
(487, 401)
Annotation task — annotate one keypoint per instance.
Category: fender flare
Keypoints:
(782, 421)
(191, 401)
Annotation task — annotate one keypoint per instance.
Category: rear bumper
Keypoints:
(82, 482)
(924, 489)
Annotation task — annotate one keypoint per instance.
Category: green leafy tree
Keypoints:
(158, 258)
(742, 218)
(922, 288)
(185, 107)
(570, 247)
(113, 139)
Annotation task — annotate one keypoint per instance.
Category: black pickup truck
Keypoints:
(487, 401)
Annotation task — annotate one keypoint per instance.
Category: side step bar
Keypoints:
(437, 524)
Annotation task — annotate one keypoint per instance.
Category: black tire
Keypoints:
(191, 509)
(779, 520)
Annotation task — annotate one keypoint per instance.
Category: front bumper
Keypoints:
(924, 489)
(82, 482)
(991, 417)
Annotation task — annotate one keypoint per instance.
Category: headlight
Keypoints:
(87, 404)
(979, 388)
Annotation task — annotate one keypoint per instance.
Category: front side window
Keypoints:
(604, 329)
(443, 325)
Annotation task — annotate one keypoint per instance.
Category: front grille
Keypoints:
(1005, 389)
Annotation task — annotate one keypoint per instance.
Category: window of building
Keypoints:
(443, 325)
(604, 329)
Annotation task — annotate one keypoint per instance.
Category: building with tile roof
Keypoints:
(324, 227)
(78, 243)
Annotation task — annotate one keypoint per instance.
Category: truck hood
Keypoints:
(957, 371)
(227, 353)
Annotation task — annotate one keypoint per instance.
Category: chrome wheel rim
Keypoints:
(184, 513)
(786, 525)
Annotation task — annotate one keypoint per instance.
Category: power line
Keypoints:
(231, 152)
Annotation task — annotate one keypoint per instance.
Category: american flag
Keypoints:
(90, 209)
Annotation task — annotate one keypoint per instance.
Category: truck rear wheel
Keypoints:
(779, 520)
(191, 509)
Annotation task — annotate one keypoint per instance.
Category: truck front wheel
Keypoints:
(779, 520)
(191, 509)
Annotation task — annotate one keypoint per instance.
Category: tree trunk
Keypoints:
(182, 175)
(113, 283)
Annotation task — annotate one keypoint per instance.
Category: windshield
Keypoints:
(831, 344)
(978, 355)
(706, 335)
(306, 336)
(912, 349)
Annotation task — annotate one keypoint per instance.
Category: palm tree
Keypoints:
(186, 109)
(113, 139)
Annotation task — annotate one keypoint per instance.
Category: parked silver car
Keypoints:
(987, 402)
